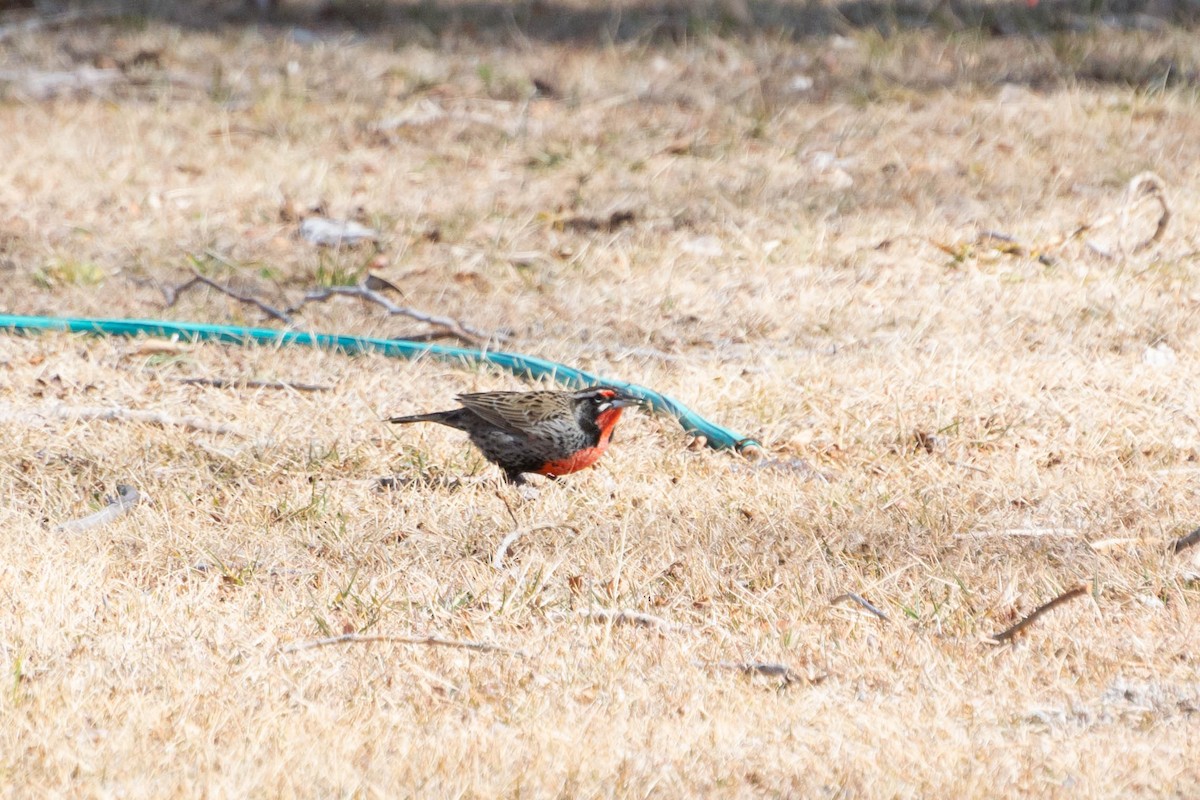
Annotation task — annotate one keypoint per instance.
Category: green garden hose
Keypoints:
(715, 436)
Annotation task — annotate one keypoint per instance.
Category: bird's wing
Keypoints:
(516, 412)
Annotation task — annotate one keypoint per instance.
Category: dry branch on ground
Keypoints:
(125, 499)
(368, 289)
(428, 641)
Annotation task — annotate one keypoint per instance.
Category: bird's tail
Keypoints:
(444, 417)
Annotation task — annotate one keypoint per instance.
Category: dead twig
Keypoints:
(625, 616)
(502, 550)
(509, 540)
(174, 292)
(429, 336)
(751, 668)
(369, 289)
(1184, 542)
(241, 383)
(1149, 184)
(430, 641)
(1142, 187)
(508, 507)
(579, 222)
(1065, 597)
(115, 413)
(126, 498)
(1032, 533)
(857, 598)
(363, 291)
(965, 465)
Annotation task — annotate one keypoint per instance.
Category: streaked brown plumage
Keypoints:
(547, 432)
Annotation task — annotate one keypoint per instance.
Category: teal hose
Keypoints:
(717, 437)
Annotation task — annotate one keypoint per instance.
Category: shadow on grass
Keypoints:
(1143, 43)
(587, 24)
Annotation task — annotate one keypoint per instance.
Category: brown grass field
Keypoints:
(957, 427)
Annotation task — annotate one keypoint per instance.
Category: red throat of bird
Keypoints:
(605, 421)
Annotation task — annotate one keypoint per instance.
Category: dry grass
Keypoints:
(991, 430)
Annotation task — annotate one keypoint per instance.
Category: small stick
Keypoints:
(365, 292)
(861, 601)
(173, 293)
(8, 414)
(1147, 184)
(432, 641)
(625, 616)
(126, 498)
(1003, 243)
(1184, 542)
(768, 669)
(1033, 533)
(508, 541)
(965, 465)
(1004, 636)
(508, 507)
(1143, 186)
(428, 336)
(239, 383)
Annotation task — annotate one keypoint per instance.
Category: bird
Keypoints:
(551, 433)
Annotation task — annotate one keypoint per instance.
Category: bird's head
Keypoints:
(602, 405)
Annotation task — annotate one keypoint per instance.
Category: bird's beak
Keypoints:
(628, 400)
